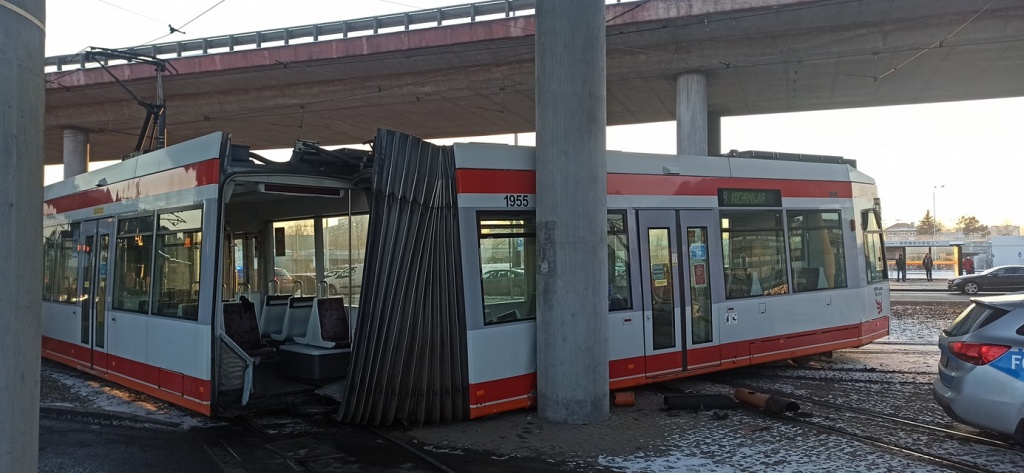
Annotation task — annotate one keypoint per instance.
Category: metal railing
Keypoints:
(432, 18)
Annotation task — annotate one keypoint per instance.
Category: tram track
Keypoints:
(917, 438)
(317, 445)
(885, 417)
(847, 429)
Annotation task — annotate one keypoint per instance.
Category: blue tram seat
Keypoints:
(296, 319)
(272, 318)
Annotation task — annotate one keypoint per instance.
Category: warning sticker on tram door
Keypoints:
(658, 271)
(698, 251)
(699, 275)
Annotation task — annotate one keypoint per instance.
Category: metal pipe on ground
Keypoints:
(699, 402)
(767, 402)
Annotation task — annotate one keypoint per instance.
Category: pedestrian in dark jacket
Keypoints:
(901, 268)
(927, 263)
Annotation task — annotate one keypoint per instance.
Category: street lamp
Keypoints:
(935, 219)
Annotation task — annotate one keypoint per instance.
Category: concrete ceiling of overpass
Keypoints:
(778, 56)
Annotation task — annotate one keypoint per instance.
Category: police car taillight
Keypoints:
(977, 353)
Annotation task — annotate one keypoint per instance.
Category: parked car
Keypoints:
(999, 279)
(504, 282)
(338, 281)
(284, 280)
(981, 367)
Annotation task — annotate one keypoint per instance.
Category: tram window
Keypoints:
(344, 253)
(700, 285)
(874, 256)
(178, 254)
(816, 250)
(60, 263)
(508, 255)
(754, 251)
(295, 257)
(51, 244)
(619, 297)
(133, 255)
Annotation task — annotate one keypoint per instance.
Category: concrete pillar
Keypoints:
(692, 114)
(714, 134)
(572, 203)
(76, 152)
(22, 102)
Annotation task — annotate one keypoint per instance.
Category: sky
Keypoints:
(954, 159)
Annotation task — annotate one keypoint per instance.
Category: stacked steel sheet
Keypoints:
(408, 361)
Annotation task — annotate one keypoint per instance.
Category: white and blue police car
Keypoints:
(981, 370)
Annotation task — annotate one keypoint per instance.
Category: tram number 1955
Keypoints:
(517, 200)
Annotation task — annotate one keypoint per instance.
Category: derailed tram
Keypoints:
(401, 281)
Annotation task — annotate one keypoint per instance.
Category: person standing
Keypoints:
(901, 268)
(969, 265)
(927, 263)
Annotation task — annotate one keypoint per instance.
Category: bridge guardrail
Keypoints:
(434, 17)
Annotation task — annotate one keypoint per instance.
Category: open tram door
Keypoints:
(93, 246)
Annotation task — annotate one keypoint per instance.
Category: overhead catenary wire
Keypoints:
(119, 7)
(937, 44)
(178, 29)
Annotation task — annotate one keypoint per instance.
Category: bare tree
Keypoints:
(970, 226)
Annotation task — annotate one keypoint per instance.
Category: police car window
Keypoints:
(967, 321)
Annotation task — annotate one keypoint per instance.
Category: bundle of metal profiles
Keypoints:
(409, 348)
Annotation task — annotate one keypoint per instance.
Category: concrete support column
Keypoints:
(76, 152)
(692, 114)
(572, 203)
(714, 134)
(22, 102)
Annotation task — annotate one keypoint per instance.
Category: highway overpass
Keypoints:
(477, 77)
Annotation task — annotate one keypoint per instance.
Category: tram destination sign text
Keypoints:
(749, 198)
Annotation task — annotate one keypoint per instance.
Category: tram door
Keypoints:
(662, 298)
(93, 246)
(701, 269)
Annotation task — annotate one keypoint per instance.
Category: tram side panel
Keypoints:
(168, 357)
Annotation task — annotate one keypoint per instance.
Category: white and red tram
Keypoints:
(714, 263)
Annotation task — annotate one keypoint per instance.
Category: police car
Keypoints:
(981, 370)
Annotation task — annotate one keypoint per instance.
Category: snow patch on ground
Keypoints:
(94, 393)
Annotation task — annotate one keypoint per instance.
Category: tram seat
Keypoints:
(189, 311)
(328, 325)
(241, 326)
(296, 319)
(755, 284)
(312, 362)
(272, 318)
(809, 279)
(739, 284)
